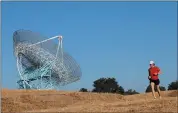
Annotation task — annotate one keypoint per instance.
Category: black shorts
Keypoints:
(155, 81)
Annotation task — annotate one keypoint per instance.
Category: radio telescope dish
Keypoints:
(42, 63)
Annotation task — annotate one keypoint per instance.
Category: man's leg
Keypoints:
(153, 89)
(158, 89)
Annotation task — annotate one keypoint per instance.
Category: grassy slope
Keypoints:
(58, 101)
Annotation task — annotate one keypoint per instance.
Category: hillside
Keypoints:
(60, 101)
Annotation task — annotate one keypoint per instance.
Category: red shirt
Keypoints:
(153, 70)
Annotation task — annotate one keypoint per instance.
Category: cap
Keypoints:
(151, 62)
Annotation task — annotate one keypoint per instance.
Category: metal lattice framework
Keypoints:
(42, 64)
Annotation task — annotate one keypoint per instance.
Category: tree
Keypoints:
(83, 90)
(104, 85)
(121, 90)
(148, 89)
(162, 88)
(131, 92)
(173, 85)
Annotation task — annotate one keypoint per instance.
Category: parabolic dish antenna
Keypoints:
(42, 63)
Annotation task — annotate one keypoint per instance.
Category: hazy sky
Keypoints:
(107, 39)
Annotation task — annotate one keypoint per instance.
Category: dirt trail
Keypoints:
(60, 101)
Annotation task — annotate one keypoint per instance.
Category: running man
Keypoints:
(154, 71)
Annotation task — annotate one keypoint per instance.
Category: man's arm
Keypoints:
(159, 71)
(149, 74)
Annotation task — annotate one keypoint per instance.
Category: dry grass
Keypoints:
(60, 101)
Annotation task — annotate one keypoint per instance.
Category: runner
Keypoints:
(154, 71)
